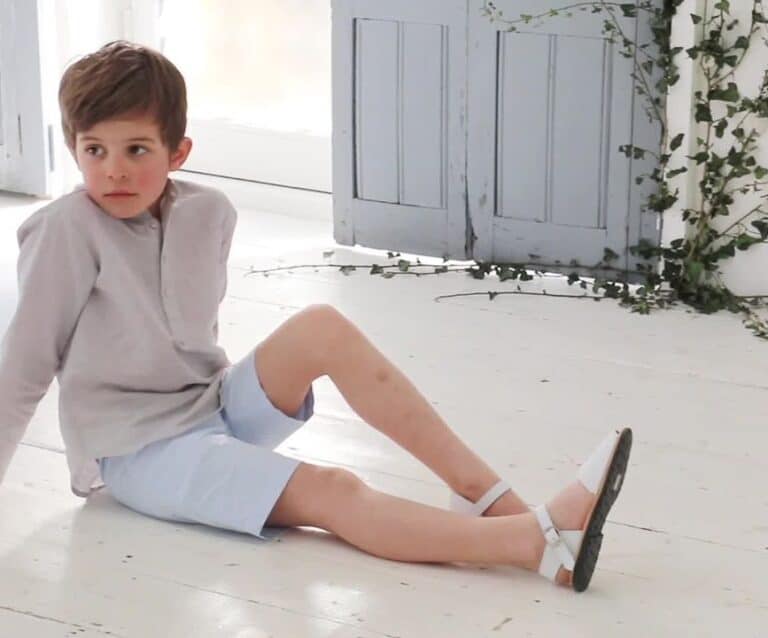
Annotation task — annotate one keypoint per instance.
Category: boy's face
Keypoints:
(125, 164)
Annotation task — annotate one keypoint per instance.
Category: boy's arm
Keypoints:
(56, 272)
(228, 230)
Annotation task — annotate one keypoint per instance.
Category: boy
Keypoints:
(119, 288)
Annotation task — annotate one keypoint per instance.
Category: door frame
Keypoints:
(29, 121)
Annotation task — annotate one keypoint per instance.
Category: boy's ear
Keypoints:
(179, 156)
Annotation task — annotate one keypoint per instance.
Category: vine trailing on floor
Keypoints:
(723, 153)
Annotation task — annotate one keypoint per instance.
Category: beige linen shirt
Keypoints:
(125, 313)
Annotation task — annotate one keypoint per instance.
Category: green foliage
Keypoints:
(724, 151)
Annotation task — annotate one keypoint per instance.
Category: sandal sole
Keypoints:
(609, 491)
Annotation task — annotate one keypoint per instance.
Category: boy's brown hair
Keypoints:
(123, 78)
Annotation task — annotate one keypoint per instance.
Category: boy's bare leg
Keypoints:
(336, 500)
(319, 341)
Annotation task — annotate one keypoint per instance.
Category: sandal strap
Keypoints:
(557, 552)
(465, 506)
(592, 471)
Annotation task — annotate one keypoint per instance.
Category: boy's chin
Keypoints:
(121, 209)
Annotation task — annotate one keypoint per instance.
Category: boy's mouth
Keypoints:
(119, 194)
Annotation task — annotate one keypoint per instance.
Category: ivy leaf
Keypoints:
(476, 273)
(695, 19)
(403, 265)
(703, 114)
(676, 141)
(677, 171)
(720, 127)
(376, 269)
(505, 272)
(731, 94)
(744, 241)
(762, 227)
(700, 157)
(629, 10)
(742, 42)
(761, 172)
(347, 269)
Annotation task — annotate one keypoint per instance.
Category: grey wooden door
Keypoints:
(399, 124)
(453, 137)
(549, 107)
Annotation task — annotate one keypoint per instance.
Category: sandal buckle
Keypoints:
(552, 536)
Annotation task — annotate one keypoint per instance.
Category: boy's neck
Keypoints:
(156, 210)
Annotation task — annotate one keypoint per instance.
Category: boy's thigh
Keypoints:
(249, 411)
(206, 477)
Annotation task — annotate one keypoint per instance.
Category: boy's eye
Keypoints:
(137, 149)
(94, 150)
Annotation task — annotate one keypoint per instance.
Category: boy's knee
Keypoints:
(330, 329)
(338, 483)
(314, 496)
(325, 317)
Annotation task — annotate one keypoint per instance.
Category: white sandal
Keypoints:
(577, 550)
(463, 506)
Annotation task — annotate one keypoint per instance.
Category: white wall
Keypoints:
(81, 26)
(745, 273)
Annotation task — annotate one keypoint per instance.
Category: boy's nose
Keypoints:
(116, 171)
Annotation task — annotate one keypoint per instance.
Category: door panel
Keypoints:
(376, 75)
(549, 149)
(549, 107)
(399, 134)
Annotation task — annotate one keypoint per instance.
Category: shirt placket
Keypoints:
(166, 290)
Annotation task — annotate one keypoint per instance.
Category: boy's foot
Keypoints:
(573, 521)
(569, 509)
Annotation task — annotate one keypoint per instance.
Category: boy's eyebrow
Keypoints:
(93, 138)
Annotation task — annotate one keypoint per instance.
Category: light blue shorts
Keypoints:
(223, 472)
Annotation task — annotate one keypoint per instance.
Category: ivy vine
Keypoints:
(723, 153)
(723, 156)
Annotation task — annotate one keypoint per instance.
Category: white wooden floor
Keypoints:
(532, 383)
